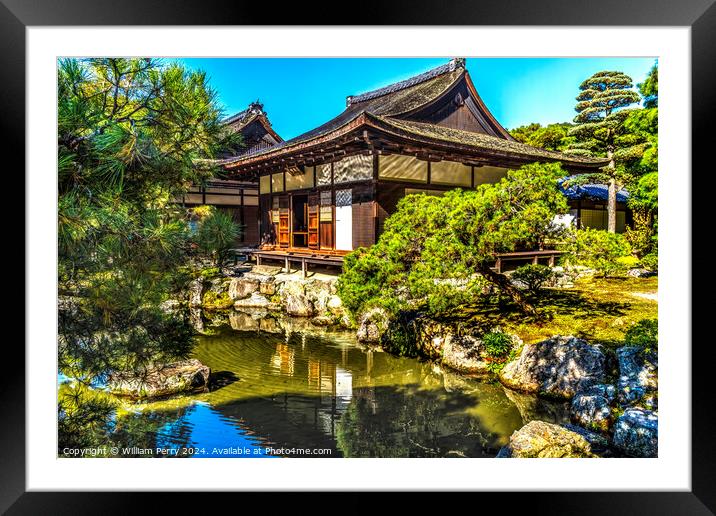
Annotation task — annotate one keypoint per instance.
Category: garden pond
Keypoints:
(281, 387)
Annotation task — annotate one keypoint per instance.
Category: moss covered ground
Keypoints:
(596, 309)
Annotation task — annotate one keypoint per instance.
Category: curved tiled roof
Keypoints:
(597, 192)
(485, 141)
(407, 83)
(392, 100)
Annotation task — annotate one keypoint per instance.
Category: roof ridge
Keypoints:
(448, 67)
(255, 107)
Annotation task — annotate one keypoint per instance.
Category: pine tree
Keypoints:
(129, 134)
(600, 128)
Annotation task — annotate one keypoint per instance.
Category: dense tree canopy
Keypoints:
(644, 167)
(129, 134)
(436, 253)
(554, 137)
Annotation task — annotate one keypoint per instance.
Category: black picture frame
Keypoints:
(700, 15)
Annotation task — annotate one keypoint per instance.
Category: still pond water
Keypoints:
(283, 387)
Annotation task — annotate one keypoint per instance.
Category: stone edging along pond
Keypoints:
(614, 408)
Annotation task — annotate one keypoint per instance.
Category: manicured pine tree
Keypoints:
(600, 128)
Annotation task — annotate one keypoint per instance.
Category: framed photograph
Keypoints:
(424, 255)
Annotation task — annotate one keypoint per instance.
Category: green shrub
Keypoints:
(651, 261)
(644, 334)
(534, 276)
(499, 349)
(607, 253)
(436, 253)
(497, 344)
(216, 233)
(210, 273)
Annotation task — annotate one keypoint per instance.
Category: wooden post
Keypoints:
(535, 260)
(288, 267)
(551, 260)
(304, 269)
(258, 259)
(498, 265)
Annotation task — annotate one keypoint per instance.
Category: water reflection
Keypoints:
(295, 387)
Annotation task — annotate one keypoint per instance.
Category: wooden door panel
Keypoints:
(313, 233)
(283, 222)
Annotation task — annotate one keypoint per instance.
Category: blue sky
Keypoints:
(301, 93)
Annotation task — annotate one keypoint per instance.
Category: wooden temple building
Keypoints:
(329, 191)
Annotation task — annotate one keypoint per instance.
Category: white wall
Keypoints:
(344, 220)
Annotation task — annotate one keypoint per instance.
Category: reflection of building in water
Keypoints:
(314, 373)
(344, 384)
(336, 392)
(283, 359)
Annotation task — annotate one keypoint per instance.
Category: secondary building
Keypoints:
(240, 197)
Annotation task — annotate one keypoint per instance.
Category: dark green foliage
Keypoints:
(554, 137)
(129, 135)
(607, 253)
(216, 235)
(497, 344)
(82, 416)
(499, 349)
(650, 261)
(436, 253)
(643, 187)
(644, 334)
(649, 89)
(534, 276)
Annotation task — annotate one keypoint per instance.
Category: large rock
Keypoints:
(196, 288)
(538, 439)
(636, 433)
(463, 353)
(592, 408)
(299, 305)
(241, 288)
(638, 377)
(319, 293)
(183, 376)
(372, 325)
(558, 367)
(294, 299)
(219, 285)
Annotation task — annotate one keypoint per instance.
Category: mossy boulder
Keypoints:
(464, 353)
(538, 439)
(213, 300)
(372, 325)
(161, 380)
(558, 367)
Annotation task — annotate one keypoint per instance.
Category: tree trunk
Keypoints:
(612, 201)
(508, 288)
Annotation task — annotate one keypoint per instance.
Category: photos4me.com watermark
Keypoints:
(188, 451)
